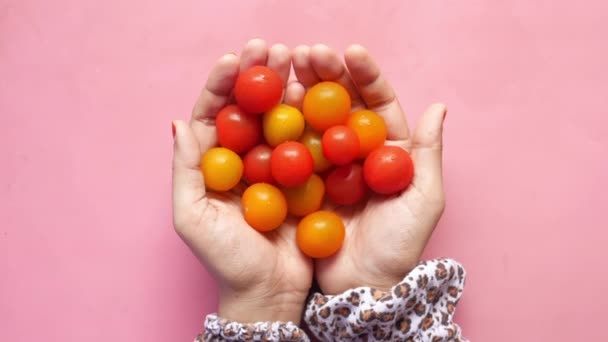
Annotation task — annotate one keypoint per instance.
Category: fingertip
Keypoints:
(255, 43)
(294, 94)
(301, 53)
(228, 60)
(279, 59)
(177, 127)
(356, 47)
(320, 48)
(439, 108)
(321, 53)
(355, 51)
(302, 66)
(296, 86)
(255, 52)
(280, 47)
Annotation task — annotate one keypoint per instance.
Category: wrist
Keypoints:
(249, 307)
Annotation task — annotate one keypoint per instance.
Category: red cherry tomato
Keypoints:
(340, 145)
(257, 165)
(291, 164)
(237, 130)
(258, 89)
(345, 185)
(388, 170)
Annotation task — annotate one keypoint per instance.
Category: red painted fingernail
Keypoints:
(173, 129)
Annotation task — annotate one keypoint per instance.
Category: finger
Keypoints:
(376, 92)
(254, 53)
(329, 67)
(213, 97)
(427, 149)
(302, 67)
(279, 60)
(188, 185)
(294, 94)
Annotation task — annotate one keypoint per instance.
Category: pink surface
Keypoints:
(88, 89)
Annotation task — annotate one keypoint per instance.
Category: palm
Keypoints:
(248, 258)
(385, 236)
(384, 239)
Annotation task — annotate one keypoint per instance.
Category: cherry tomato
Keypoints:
(345, 185)
(222, 169)
(370, 129)
(264, 207)
(320, 234)
(291, 164)
(326, 104)
(258, 89)
(388, 170)
(340, 145)
(257, 165)
(237, 130)
(312, 141)
(283, 123)
(306, 198)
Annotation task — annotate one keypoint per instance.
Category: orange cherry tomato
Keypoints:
(312, 141)
(306, 198)
(264, 207)
(326, 104)
(222, 169)
(282, 123)
(320, 234)
(370, 129)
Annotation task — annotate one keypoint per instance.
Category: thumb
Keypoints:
(427, 150)
(188, 185)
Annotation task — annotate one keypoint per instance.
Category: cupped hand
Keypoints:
(386, 236)
(262, 276)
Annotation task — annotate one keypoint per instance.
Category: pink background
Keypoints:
(88, 90)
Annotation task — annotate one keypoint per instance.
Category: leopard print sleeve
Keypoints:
(420, 308)
(219, 329)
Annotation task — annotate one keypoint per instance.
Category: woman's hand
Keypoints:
(385, 237)
(262, 277)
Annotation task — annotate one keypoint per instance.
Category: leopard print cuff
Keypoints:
(219, 329)
(420, 308)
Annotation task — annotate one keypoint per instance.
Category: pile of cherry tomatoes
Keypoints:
(292, 159)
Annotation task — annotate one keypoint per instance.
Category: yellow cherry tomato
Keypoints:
(320, 234)
(282, 123)
(306, 198)
(264, 207)
(222, 169)
(312, 141)
(370, 128)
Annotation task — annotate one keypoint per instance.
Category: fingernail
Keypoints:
(173, 129)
